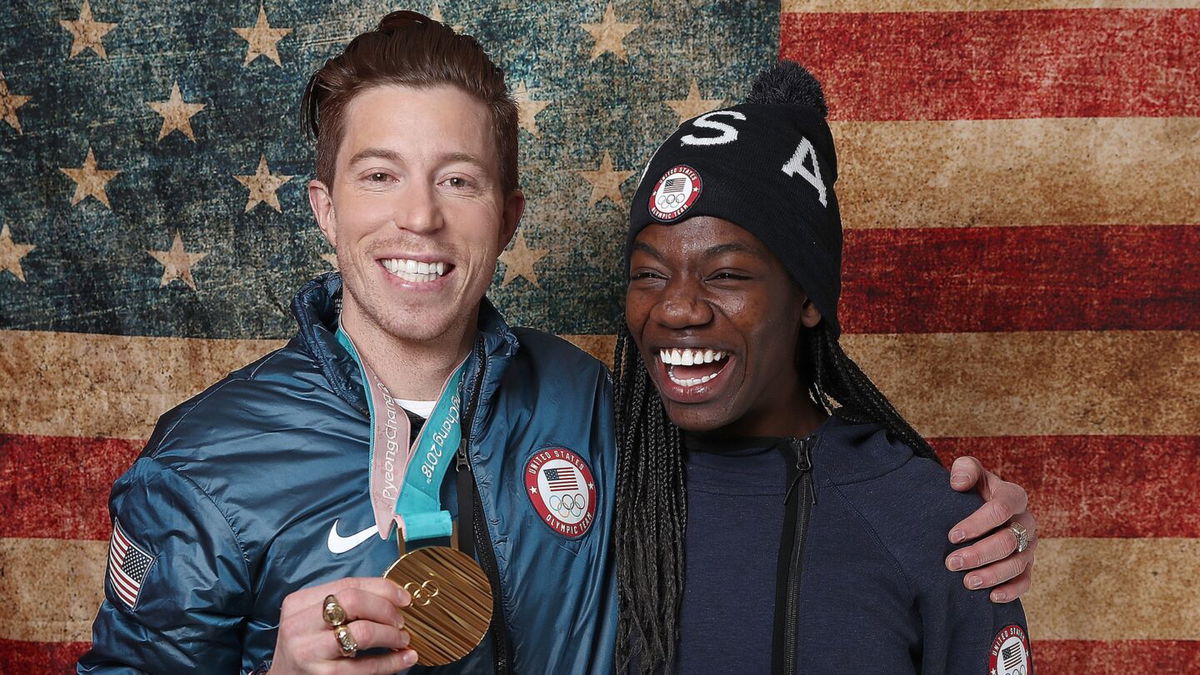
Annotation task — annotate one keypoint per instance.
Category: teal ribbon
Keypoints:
(418, 504)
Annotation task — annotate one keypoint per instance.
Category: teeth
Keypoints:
(689, 383)
(690, 357)
(414, 270)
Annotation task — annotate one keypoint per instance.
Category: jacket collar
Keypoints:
(498, 339)
(317, 306)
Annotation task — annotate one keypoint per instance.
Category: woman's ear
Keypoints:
(810, 316)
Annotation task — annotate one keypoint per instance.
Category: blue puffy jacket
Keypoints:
(250, 490)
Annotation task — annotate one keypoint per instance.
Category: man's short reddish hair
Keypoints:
(413, 50)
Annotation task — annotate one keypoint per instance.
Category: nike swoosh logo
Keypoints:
(339, 544)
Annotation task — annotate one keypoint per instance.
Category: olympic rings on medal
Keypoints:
(424, 593)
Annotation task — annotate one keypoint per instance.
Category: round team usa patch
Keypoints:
(561, 487)
(675, 192)
(1010, 652)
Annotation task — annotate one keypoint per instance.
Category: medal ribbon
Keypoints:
(406, 480)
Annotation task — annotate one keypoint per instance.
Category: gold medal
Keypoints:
(451, 602)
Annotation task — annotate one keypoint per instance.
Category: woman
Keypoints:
(762, 527)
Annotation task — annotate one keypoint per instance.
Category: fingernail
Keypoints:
(957, 536)
(954, 563)
(400, 621)
(959, 478)
(405, 598)
(405, 638)
(410, 657)
(974, 581)
(999, 596)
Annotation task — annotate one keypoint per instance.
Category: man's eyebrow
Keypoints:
(394, 156)
(376, 153)
(463, 157)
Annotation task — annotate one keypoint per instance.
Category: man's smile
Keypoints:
(416, 271)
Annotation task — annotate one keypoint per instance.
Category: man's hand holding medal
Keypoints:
(323, 627)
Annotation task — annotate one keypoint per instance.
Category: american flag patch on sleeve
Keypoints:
(127, 565)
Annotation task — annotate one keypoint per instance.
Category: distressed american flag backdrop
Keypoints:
(1020, 187)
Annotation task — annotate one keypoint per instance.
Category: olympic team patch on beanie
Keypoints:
(1010, 652)
(675, 192)
(561, 488)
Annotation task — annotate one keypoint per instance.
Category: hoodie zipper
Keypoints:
(788, 580)
(501, 640)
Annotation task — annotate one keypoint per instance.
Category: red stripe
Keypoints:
(1051, 657)
(54, 486)
(127, 595)
(122, 583)
(1117, 657)
(124, 586)
(1097, 486)
(1080, 486)
(122, 542)
(1021, 278)
(1000, 64)
(34, 658)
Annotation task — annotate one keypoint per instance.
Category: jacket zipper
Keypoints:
(501, 640)
(804, 503)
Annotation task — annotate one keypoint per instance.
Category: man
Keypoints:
(256, 488)
(274, 492)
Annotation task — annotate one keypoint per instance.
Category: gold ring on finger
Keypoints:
(346, 642)
(332, 612)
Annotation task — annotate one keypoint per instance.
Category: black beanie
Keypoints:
(768, 166)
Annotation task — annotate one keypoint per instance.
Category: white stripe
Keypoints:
(118, 552)
(122, 587)
(125, 587)
(1048, 171)
(125, 595)
(125, 581)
